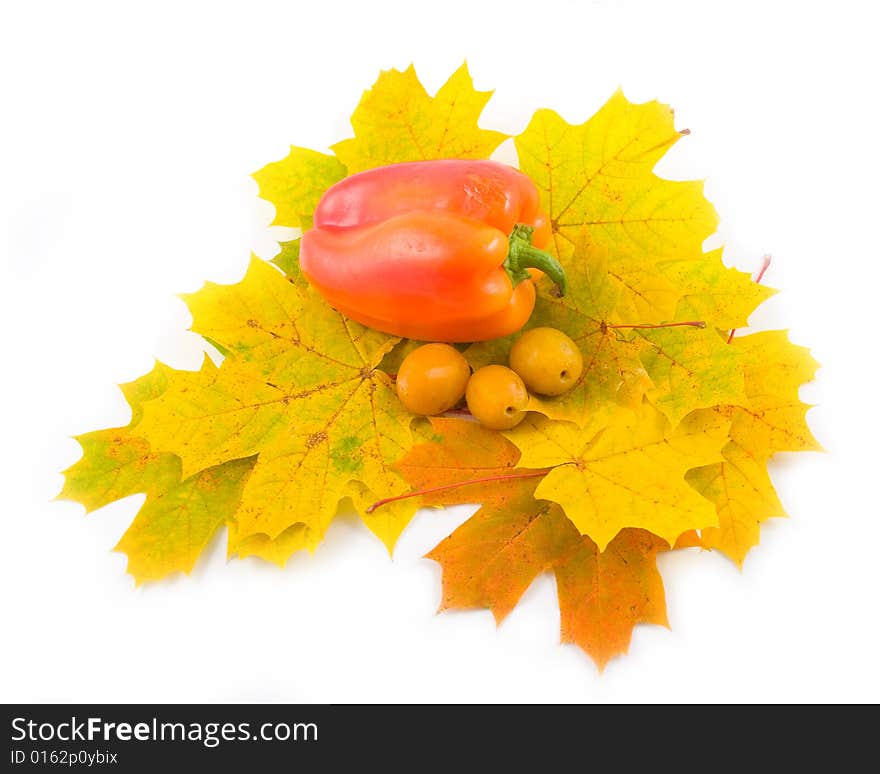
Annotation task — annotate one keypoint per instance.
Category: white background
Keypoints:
(128, 134)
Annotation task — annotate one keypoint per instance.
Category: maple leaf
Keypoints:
(115, 464)
(459, 451)
(173, 528)
(296, 183)
(288, 260)
(678, 369)
(598, 176)
(277, 550)
(301, 389)
(772, 419)
(603, 594)
(397, 120)
(690, 369)
(710, 291)
(744, 497)
(627, 470)
(491, 559)
(613, 371)
(179, 517)
(631, 244)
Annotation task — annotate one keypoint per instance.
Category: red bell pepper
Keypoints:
(431, 250)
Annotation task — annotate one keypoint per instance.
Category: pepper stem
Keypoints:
(523, 255)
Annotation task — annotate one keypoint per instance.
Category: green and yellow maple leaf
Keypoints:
(179, 517)
(690, 369)
(710, 291)
(117, 464)
(301, 389)
(173, 528)
(631, 266)
(677, 369)
(631, 243)
(296, 183)
(114, 463)
(613, 371)
(397, 120)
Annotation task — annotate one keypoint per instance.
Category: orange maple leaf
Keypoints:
(604, 594)
(458, 463)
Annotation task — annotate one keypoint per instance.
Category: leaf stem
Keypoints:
(691, 323)
(432, 490)
(764, 266)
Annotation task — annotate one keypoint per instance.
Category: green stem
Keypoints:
(523, 255)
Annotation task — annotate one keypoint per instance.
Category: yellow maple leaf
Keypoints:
(276, 550)
(599, 176)
(397, 120)
(627, 469)
(301, 388)
(296, 183)
(771, 419)
(744, 497)
(256, 345)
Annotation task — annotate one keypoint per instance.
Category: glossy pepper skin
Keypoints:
(431, 250)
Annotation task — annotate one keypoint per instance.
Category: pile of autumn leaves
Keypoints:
(663, 444)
